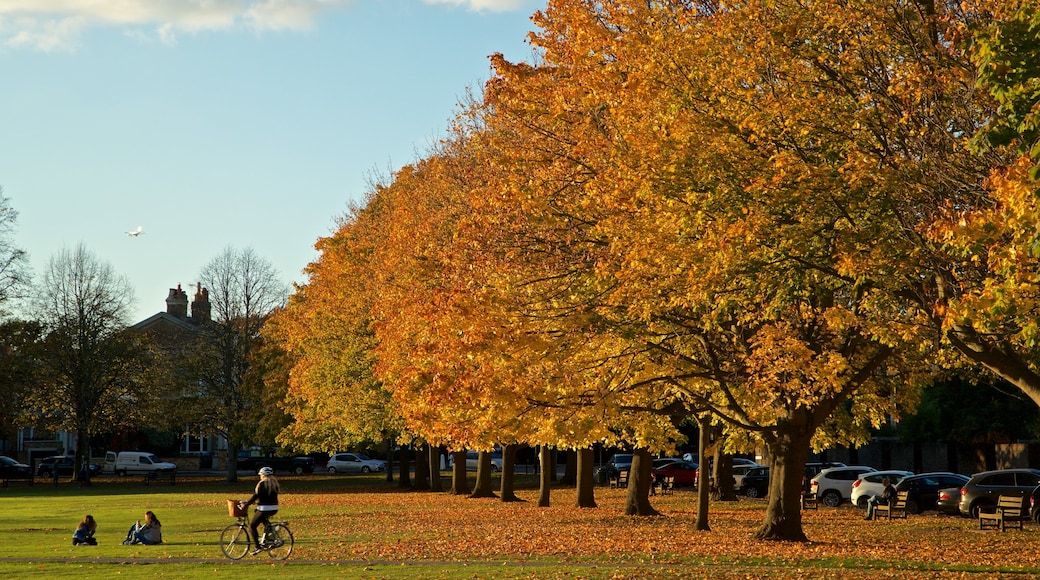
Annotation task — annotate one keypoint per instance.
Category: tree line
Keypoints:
(783, 218)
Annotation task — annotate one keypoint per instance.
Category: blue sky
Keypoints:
(216, 123)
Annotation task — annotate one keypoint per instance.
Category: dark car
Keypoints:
(755, 482)
(681, 472)
(984, 489)
(13, 469)
(948, 500)
(924, 489)
(65, 466)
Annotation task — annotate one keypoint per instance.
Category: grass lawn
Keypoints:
(362, 527)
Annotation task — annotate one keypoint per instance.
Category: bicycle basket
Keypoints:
(235, 511)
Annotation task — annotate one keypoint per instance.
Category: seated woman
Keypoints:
(149, 533)
(84, 534)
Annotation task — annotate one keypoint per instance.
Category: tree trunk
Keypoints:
(459, 485)
(570, 469)
(586, 485)
(637, 502)
(704, 474)
(722, 476)
(422, 468)
(435, 468)
(389, 460)
(544, 475)
(406, 467)
(508, 473)
(789, 451)
(81, 466)
(483, 486)
(232, 460)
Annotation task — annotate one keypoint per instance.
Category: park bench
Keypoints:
(161, 476)
(1010, 511)
(666, 483)
(28, 478)
(895, 508)
(810, 501)
(620, 480)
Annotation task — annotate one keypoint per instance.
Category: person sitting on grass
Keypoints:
(84, 534)
(147, 534)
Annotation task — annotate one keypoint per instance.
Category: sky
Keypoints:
(224, 123)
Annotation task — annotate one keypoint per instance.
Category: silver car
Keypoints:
(354, 463)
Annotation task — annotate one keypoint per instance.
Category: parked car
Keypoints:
(739, 471)
(923, 489)
(354, 463)
(834, 484)
(473, 458)
(618, 462)
(681, 472)
(14, 469)
(65, 465)
(254, 459)
(948, 500)
(983, 490)
(755, 482)
(815, 467)
(662, 461)
(1034, 504)
(135, 463)
(869, 485)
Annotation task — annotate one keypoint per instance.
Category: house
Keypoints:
(173, 331)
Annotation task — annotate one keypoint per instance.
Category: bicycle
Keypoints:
(276, 539)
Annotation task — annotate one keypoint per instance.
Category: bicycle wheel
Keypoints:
(234, 541)
(280, 538)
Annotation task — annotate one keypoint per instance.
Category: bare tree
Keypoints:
(92, 373)
(243, 290)
(12, 258)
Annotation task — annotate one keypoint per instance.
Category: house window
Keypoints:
(194, 445)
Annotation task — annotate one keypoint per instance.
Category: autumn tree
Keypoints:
(243, 290)
(94, 375)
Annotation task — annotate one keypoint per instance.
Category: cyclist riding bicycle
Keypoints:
(266, 499)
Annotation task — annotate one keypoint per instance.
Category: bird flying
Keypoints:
(135, 233)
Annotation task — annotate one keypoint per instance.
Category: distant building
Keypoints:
(173, 331)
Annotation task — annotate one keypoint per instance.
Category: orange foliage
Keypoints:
(395, 527)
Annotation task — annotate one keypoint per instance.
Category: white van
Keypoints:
(134, 463)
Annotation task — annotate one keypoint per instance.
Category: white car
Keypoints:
(354, 463)
(869, 485)
(834, 484)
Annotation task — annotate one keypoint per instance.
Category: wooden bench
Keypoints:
(810, 501)
(667, 484)
(164, 475)
(893, 509)
(17, 477)
(1010, 511)
(620, 480)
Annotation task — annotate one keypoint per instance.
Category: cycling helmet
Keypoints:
(265, 471)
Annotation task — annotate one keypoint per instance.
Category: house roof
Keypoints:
(160, 320)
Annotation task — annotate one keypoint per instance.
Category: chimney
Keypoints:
(177, 302)
(200, 308)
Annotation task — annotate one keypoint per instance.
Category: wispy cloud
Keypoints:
(57, 24)
(483, 5)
